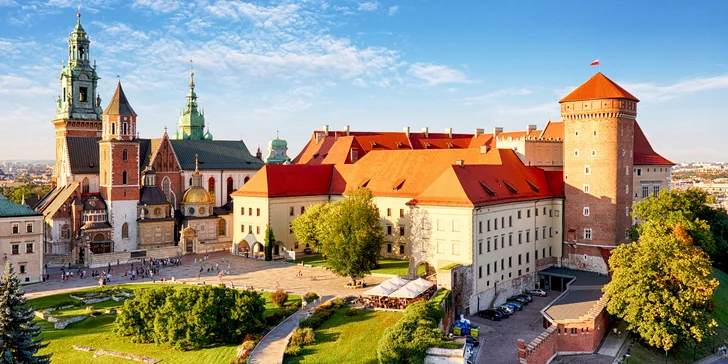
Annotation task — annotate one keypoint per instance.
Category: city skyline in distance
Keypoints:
(371, 65)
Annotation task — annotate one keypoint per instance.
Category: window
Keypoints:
(211, 185)
(586, 211)
(519, 214)
(626, 234)
(535, 254)
(503, 221)
(440, 247)
(242, 211)
(510, 221)
(389, 229)
(29, 247)
(480, 247)
(401, 249)
(520, 237)
(587, 170)
(587, 234)
(549, 251)
(303, 209)
(230, 188)
(503, 240)
(535, 210)
(250, 211)
(28, 227)
(389, 212)
(488, 225)
(594, 153)
(401, 230)
(626, 211)
(495, 242)
(528, 236)
(456, 248)
(221, 227)
(488, 244)
(487, 269)
(455, 225)
(510, 262)
(480, 271)
(401, 212)
(556, 213)
(480, 227)
(520, 261)
(167, 188)
(543, 232)
(503, 263)
(125, 129)
(510, 239)
(639, 171)
(536, 234)
(83, 94)
(15, 249)
(242, 228)
(528, 213)
(550, 233)
(495, 267)
(84, 185)
(113, 128)
(290, 211)
(22, 269)
(655, 190)
(65, 231)
(586, 189)
(125, 154)
(528, 257)
(389, 247)
(257, 212)
(124, 178)
(125, 231)
(626, 170)
(543, 253)
(16, 228)
(544, 211)
(576, 152)
(257, 229)
(495, 224)
(626, 189)
(645, 190)
(250, 229)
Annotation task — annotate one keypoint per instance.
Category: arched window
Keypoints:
(125, 154)
(229, 187)
(246, 180)
(125, 230)
(221, 227)
(166, 188)
(211, 185)
(124, 178)
(113, 128)
(65, 231)
(126, 129)
(84, 185)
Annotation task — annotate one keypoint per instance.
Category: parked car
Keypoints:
(307, 251)
(538, 292)
(503, 311)
(517, 306)
(528, 297)
(518, 299)
(471, 340)
(492, 315)
(508, 308)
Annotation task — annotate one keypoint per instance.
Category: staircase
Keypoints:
(498, 291)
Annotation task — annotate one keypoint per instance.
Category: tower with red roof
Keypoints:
(599, 125)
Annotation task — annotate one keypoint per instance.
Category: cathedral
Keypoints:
(117, 196)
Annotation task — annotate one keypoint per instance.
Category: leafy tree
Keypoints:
(17, 193)
(17, 328)
(661, 285)
(307, 227)
(672, 208)
(347, 232)
(270, 239)
(407, 341)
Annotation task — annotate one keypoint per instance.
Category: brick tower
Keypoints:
(78, 108)
(599, 118)
(119, 169)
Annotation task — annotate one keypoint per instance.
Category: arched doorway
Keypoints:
(244, 248)
(422, 269)
(258, 248)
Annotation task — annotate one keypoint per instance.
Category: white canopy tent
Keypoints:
(387, 287)
(412, 289)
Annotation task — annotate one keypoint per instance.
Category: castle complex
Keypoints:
(118, 196)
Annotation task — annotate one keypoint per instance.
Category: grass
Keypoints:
(348, 339)
(439, 296)
(386, 265)
(683, 353)
(96, 332)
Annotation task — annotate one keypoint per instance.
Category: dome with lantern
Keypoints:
(197, 201)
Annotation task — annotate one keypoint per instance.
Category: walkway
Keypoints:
(271, 349)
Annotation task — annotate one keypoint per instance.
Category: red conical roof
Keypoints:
(119, 105)
(599, 87)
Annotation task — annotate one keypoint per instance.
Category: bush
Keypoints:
(304, 336)
(351, 311)
(293, 306)
(273, 319)
(308, 322)
(293, 350)
(310, 297)
(252, 337)
(279, 297)
(407, 341)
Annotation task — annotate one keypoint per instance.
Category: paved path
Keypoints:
(613, 343)
(243, 272)
(271, 349)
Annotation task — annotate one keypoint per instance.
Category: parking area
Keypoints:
(499, 343)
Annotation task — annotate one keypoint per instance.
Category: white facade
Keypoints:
(124, 211)
(221, 177)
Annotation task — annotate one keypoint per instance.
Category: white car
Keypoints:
(509, 309)
(537, 292)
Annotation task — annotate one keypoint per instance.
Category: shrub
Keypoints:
(338, 302)
(273, 319)
(351, 311)
(308, 322)
(279, 297)
(253, 337)
(310, 297)
(309, 337)
(293, 307)
(407, 341)
(249, 345)
(293, 350)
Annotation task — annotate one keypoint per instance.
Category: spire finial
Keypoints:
(79, 14)
(192, 75)
(197, 163)
(276, 134)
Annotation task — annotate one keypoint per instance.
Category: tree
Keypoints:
(661, 285)
(270, 239)
(17, 328)
(347, 232)
(307, 227)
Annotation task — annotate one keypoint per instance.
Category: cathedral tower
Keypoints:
(119, 169)
(599, 118)
(192, 120)
(78, 107)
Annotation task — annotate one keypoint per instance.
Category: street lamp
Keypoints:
(666, 342)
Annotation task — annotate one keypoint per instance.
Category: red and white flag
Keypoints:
(595, 63)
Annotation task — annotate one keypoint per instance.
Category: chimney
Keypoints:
(406, 130)
(346, 129)
(326, 130)
(497, 130)
(426, 131)
(449, 132)
(530, 127)
(460, 162)
(479, 131)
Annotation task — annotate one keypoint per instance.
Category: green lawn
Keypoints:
(96, 332)
(683, 353)
(386, 265)
(348, 339)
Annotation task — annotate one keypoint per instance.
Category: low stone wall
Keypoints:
(103, 260)
(59, 325)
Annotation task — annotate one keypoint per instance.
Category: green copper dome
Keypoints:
(278, 151)
(192, 121)
(277, 144)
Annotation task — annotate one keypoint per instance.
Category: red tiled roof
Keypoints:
(553, 130)
(280, 180)
(598, 87)
(643, 152)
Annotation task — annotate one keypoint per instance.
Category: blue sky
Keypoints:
(294, 66)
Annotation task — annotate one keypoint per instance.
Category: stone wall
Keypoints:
(60, 325)
(103, 260)
(539, 351)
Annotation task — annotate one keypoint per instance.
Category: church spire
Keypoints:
(192, 121)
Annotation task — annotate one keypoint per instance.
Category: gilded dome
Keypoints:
(196, 195)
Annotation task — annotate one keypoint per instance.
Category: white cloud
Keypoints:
(369, 6)
(8, 3)
(157, 6)
(21, 86)
(433, 74)
(118, 30)
(393, 10)
(653, 92)
(265, 16)
(491, 96)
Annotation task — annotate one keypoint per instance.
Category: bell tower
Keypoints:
(599, 120)
(119, 170)
(78, 107)
(192, 119)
